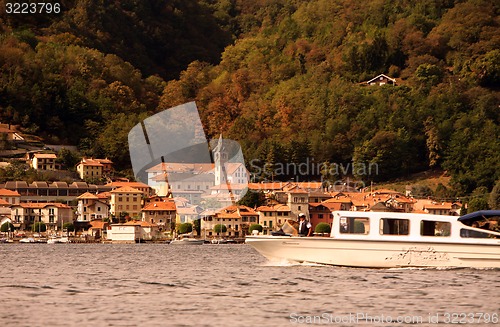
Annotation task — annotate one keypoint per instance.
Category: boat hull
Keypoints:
(376, 253)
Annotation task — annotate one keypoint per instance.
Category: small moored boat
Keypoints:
(27, 240)
(392, 240)
(57, 240)
(187, 241)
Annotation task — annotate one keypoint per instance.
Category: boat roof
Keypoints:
(479, 214)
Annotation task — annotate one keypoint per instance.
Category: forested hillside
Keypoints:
(282, 77)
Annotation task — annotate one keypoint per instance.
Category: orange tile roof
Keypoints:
(385, 191)
(126, 189)
(88, 195)
(160, 206)
(4, 203)
(438, 207)
(90, 162)
(98, 224)
(104, 161)
(339, 200)
(45, 155)
(6, 192)
(267, 186)
(104, 195)
(278, 207)
(139, 223)
(333, 206)
(130, 184)
(42, 205)
(243, 210)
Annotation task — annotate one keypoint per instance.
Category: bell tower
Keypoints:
(220, 159)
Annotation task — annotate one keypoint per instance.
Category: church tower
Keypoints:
(220, 159)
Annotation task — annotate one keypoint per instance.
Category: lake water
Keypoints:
(226, 285)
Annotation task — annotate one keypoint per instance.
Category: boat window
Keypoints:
(435, 228)
(467, 233)
(393, 226)
(354, 225)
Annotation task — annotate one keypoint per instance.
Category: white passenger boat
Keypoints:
(391, 240)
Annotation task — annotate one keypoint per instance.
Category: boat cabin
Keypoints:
(478, 227)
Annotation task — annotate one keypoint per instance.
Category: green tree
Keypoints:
(255, 227)
(220, 228)
(39, 227)
(477, 204)
(185, 228)
(68, 159)
(252, 199)
(494, 198)
(69, 227)
(7, 227)
(197, 226)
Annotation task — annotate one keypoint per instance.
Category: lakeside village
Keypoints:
(198, 199)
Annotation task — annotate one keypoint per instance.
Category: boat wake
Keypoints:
(290, 263)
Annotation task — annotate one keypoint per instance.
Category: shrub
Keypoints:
(322, 228)
(255, 227)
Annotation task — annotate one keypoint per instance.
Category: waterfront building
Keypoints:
(126, 200)
(54, 215)
(91, 207)
(10, 197)
(133, 231)
(236, 218)
(272, 217)
(161, 213)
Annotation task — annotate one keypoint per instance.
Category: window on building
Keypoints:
(435, 228)
(354, 225)
(270, 224)
(393, 226)
(320, 216)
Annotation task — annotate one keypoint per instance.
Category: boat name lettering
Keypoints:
(418, 256)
